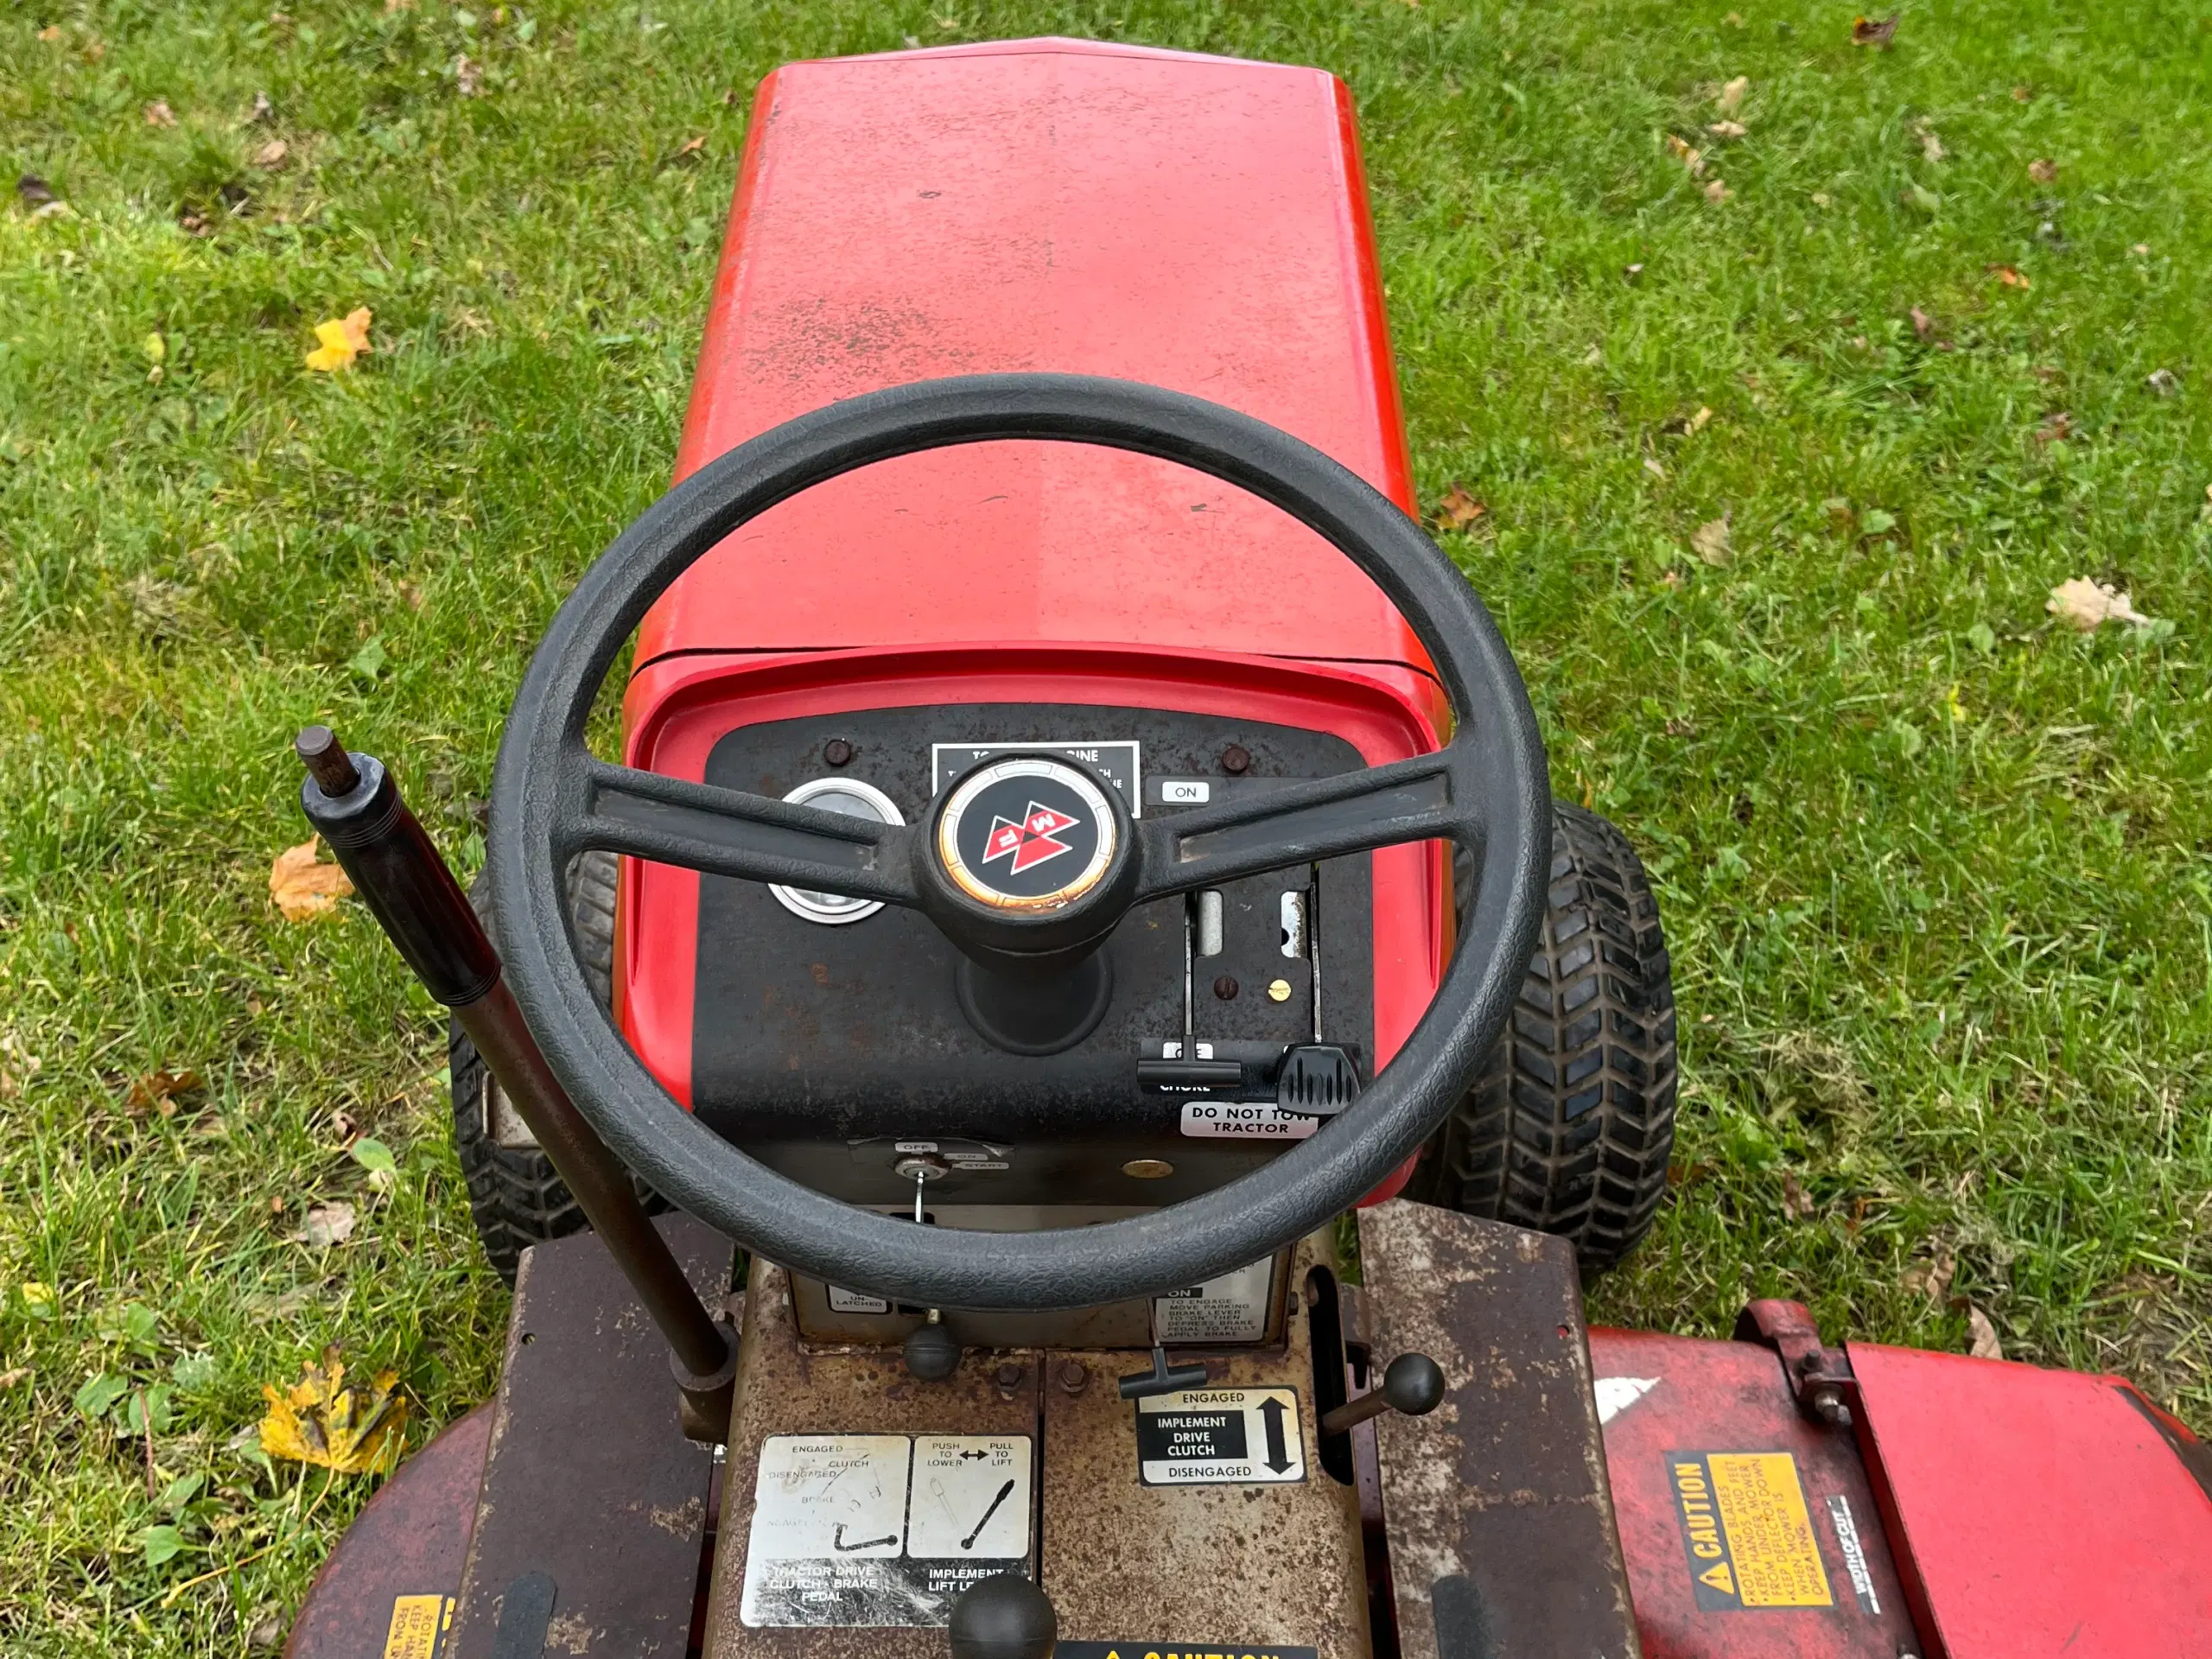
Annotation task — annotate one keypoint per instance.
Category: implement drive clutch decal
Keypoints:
(1745, 1526)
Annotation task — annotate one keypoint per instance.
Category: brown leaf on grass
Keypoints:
(2043, 171)
(320, 1421)
(690, 148)
(1983, 1332)
(1711, 542)
(1864, 31)
(467, 76)
(2057, 428)
(1731, 96)
(2009, 276)
(1459, 509)
(1932, 1278)
(1716, 191)
(1728, 130)
(2022, 94)
(262, 112)
(2162, 383)
(160, 1091)
(301, 888)
(1683, 151)
(270, 155)
(158, 113)
(2087, 606)
(192, 225)
(50, 33)
(327, 1224)
(1923, 324)
(33, 191)
(1797, 1202)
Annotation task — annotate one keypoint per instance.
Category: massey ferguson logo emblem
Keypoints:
(1030, 841)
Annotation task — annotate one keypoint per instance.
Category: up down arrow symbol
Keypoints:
(1271, 1413)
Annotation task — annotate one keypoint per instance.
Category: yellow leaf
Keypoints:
(2087, 606)
(320, 1421)
(1710, 540)
(1732, 95)
(342, 340)
(302, 888)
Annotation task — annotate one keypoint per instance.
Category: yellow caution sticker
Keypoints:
(1747, 1530)
(418, 1625)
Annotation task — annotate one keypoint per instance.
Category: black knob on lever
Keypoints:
(931, 1352)
(1003, 1617)
(1412, 1383)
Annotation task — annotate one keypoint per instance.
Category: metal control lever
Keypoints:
(1412, 1384)
(1162, 1378)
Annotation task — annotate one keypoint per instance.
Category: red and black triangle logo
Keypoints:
(1030, 840)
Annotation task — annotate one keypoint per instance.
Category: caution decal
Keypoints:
(1747, 1530)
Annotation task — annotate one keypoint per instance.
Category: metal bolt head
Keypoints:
(1148, 1169)
(1279, 990)
(1010, 1376)
(1075, 1375)
(836, 753)
(1225, 988)
(1236, 759)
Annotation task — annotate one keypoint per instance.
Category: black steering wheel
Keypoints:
(1487, 791)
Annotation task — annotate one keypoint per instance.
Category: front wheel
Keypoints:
(1569, 1126)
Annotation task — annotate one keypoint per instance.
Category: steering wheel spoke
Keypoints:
(1427, 798)
(728, 832)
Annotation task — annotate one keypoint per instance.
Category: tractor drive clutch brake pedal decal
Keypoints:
(861, 1531)
(1220, 1437)
(1747, 1530)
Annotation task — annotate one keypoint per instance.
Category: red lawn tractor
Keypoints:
(1076, 838)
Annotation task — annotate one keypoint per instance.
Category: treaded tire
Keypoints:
(1568, 1127)
(514, 1197)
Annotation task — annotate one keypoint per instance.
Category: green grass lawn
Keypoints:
(1937, 872)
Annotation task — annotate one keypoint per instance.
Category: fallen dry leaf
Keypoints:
(1688, 155)
(301, 888)
(262, 112)
(690, 148)
(1716, 191)
(1923, 324)
(467, 76)
(1932, 1278)
(1931, 147)
(327, 1224)
(342, 340)
(2055, 427)
(2022, 94)
(320, 1421)
(50, 33)
(1732, 95)
(1864, 31)
(1797, 1202)
(2009, 276)
(2164, 382)
(159, 1091)
(1710, 540)
(158, 113)
(270, 155)
(2087, 605)
(1727, 129)
(2043, 171)
(1984, 1334)
(1459, 509)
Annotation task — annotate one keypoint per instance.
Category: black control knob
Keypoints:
(1003, 1617)
(931, 1352)
(1412, 1384)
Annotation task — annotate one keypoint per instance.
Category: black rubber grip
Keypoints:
(396, 869)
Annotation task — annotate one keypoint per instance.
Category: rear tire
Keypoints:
(1569, 1126)
(514, 1196)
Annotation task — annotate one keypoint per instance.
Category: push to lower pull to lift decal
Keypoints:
(1747, 1530)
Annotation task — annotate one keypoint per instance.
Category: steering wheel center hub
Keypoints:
(1026, 835)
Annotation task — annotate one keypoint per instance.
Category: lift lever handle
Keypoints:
(1412, 1383)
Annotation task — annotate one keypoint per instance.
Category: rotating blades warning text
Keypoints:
(873, 1531)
